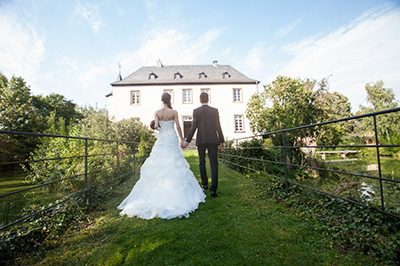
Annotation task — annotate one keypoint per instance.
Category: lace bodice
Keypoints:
(167, 126)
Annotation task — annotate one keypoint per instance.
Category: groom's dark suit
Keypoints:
(209, 136)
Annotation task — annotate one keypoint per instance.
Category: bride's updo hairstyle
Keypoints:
(166, 98)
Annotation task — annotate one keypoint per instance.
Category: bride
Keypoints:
(166, 188)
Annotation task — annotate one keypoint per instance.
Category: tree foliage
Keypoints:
(16, 110)
(331, 106)
(94, 124)
(388, 125)
(288, 103)
(57, 105)
(24, 112)
(17, 114)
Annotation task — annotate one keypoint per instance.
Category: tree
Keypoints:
(332, 106)
(22, 111)
(288, 103)
(95, 124)
(17, 114)
(57, 104)
(16, 110)
(293, 105)
(380, 98)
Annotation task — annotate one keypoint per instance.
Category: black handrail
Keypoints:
(86, 173)
(327, 122)
(230, 157)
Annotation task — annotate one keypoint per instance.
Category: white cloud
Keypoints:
(91, 79)
(288, 28)
(172, 47)
(254, 61)
(21, 48)
(71, 64)
(85, 12)
(94, 81)
(84, 81)
(365, 50)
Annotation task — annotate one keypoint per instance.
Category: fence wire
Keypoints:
(288, 161)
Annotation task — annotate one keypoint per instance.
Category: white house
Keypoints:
(139, 94)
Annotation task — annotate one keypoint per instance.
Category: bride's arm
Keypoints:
(178, 127)
(156, 125)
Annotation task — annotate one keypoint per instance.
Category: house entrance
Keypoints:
(187, 123)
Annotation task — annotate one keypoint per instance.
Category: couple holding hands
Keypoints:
(167, 187)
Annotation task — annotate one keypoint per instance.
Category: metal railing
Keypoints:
(114, 157)
(234, 157)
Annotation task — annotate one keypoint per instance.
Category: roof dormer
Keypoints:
(226, 75)
(202, 75)
(178, 75)
(152, 75)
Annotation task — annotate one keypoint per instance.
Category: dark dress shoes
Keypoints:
(214, 194)
(204, 186)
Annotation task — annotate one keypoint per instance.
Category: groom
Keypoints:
(209, 136)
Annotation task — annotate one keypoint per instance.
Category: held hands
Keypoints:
(223, 147)
(184, 144)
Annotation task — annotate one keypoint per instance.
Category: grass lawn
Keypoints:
(236, 228)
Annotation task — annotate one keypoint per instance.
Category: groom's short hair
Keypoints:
(204, 97)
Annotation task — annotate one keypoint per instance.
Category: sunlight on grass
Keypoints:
(11, 181)
(239, 227)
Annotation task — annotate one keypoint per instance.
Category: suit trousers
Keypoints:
(212, 150)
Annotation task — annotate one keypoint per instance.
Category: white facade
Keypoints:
(140, 101)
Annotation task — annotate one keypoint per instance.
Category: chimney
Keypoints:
(159, 63)
(215, 63)
(119, 77)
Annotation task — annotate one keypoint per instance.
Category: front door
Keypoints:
(187, 124)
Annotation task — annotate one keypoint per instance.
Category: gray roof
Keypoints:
(185, 74)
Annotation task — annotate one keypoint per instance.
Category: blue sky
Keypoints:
(73, 47)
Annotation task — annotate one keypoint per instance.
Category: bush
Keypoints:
(255, 148)
(349, 227)
(95, 124)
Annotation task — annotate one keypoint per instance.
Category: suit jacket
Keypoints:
(206, 122)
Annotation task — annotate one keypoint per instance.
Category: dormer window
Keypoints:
(202, 75)
(226, 75)
(178, 75)
(153, 76)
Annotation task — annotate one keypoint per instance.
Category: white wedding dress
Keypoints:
(166, 188)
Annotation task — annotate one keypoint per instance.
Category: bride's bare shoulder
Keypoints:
(157, 114)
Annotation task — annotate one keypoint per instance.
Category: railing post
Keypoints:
(285, 162)
(379, 163)
(86, 167)
(223, 155)
(237, 154)
(117, 154)
(134, 160)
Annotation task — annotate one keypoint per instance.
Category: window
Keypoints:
(178, 75)
(187, 95)
(208, 92)
(239, 127)
(226, 75)
(202, 75)
(171, 92)
(237, 95)
(153, 76)
(135, 97)
(187, 119)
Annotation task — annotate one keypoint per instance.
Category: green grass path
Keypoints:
(236, 228)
